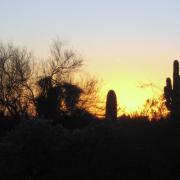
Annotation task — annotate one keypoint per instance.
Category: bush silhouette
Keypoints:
(47, 103)
(111, 106)
(56, 99)
(71, 96)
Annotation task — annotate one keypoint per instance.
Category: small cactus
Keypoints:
(172, 93)
(111, 106)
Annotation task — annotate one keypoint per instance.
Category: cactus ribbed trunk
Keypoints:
(111, 106)
(172, 93)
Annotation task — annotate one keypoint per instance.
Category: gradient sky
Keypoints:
(123, 42)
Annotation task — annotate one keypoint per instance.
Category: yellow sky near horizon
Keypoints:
(122, 70)
(122, 42)
(125, 74)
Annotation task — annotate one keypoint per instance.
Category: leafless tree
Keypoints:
(62, 62)
(15, 74)
(154, 108)
(90, 99)
(55, 74)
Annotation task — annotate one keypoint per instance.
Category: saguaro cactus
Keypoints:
(172, 93)
(111, 106)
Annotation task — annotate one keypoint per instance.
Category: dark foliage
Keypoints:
(71, 96)
(126, 149)
(7, 124)
(77, 120)
(48, 101)
(56, 99)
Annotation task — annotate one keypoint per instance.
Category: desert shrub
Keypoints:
(78, 119)
(124, 149)
(33, 148)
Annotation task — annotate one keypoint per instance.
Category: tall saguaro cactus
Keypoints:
(111, 106)
(172, 93)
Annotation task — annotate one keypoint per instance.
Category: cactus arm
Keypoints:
(172, 93)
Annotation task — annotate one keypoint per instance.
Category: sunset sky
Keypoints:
(123, 42)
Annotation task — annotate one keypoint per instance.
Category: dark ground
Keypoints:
(127, 149)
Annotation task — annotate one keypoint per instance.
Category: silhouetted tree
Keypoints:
(90, 99)
(48, 100)
(15, 73)
(154, 109)
(53, 96)
(71, 96)
(61, 63)
(54, 90)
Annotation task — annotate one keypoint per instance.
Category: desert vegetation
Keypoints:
(172, 93)
(53, 127)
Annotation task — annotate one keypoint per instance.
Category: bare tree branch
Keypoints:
(15, 74)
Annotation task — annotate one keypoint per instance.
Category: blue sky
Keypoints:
(122, 42)
(79, 19)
